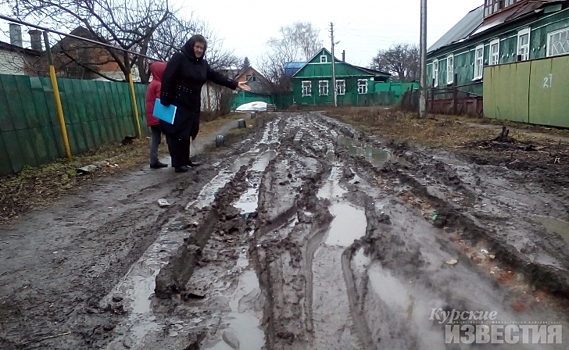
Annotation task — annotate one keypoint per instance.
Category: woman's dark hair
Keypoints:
(198, 38)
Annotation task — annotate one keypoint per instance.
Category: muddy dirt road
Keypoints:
(306, 234)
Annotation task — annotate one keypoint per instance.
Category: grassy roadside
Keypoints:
(439, 131)
(34, 188)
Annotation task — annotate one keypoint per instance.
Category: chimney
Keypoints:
(35, 39)
(343, 55)
(16, 35)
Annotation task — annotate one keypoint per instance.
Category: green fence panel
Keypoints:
(112, 116)
(82, 107)
(37, 151)
(94, 112)
(49, 145)
(13, 149)
(21, 100)
(119, 112)
(5, 162)
(72, 122)
(549, 97)
(53, 117)
(559, 85)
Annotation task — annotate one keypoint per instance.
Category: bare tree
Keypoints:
(127, 24)
(246, 64)
(297, 42)
(401, 60)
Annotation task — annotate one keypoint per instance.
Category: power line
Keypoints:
(75, 37)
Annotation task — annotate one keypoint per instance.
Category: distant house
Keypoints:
(498, 32)
(256, 81)
(290, 68)
(14, 58)
(312, 84)
(77, 59)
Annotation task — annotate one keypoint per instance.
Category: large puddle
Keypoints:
(332, 189)
(555, 225)
(137, 287)
(349, 224)
(244, 326)
(247, 203)
(377, 157)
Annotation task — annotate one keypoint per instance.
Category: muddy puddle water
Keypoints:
(247, 203)
(348, 225)
(243, 323)
(556, 225)
(377, 157)
(137, 288)
(332, 324)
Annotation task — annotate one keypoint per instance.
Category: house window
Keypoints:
(435, 73)
(523, 44)
(362, 86)
(558, 42)
(323, 87)
(323, 59)
(479, 62)
(248, 76)
(340, 87)
(495, 52)
(450, 69)
(306, 88)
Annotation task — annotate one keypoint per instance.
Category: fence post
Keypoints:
(455, 96)
(432, 96)
(134, 105)
(57, 97)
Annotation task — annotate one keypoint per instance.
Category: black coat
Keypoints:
(181, 86)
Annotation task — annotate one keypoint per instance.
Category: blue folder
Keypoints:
(167, 114)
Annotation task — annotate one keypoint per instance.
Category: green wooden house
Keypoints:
(498, 32)
(312, 84)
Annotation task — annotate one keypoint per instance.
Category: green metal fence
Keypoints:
(535, 92)
(96, 113)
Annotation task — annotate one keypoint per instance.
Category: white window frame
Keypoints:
(306, 88)
(320, 86)
(450, 69)
(526, 54)
(436, 72)
(340, 87)
(550, 45)
(479, 62)
(323, 59)
(494, 55)
(362, 86)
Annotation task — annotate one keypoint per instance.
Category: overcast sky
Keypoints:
(362, 26)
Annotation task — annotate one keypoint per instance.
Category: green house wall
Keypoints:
(464, 53)
(315, 71)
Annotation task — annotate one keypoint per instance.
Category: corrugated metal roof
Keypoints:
(462, 29)
(292, 65)
(474, 23)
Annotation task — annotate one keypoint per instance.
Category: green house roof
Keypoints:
(318, 67)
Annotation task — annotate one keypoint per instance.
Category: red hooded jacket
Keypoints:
(153, 91)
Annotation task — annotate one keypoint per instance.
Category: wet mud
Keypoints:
(304, 233)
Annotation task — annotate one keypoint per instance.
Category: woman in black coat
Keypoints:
(186, 73)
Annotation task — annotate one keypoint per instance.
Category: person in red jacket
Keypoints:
(152, 93)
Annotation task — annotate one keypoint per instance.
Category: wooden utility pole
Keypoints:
(333, 66)
(423, 44)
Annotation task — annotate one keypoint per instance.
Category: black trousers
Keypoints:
(179, 150)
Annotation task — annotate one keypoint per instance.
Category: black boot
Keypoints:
(158, 165)
(182, 169)
(190, 163)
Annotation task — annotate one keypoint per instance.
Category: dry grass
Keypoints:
(433, 131)
(37, 187)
